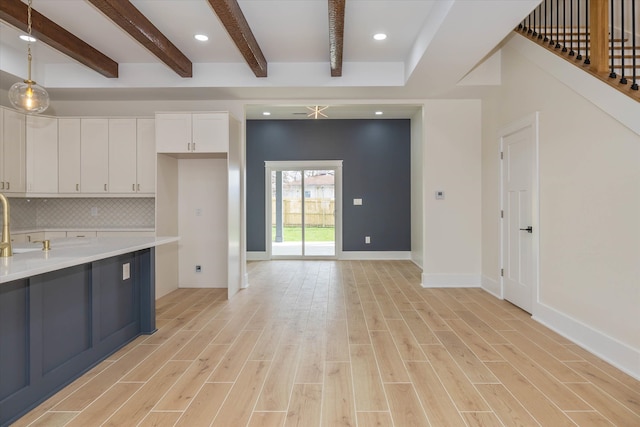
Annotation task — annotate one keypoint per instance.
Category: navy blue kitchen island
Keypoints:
(72, 313)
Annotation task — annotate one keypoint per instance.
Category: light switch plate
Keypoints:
(126, 271)
(357, 202)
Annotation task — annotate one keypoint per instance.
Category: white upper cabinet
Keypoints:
(122, 155)
(192, 132)
(210, 132)
(42, 154)
(69, 155)
(146, 156)
(12, 148)
(94, 155)
(173, 132)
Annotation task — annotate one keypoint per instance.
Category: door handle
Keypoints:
(529, 229)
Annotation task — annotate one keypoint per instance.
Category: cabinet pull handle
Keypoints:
(138, 187)
(105, 187)
(2, 186)
(188, 146)
(77, 187)
(194, 146)
(133, 187)
(8, 185)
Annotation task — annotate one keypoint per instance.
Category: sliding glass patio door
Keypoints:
(302, 220)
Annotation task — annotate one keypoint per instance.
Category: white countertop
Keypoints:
(70, 252)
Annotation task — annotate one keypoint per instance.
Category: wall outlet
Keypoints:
(198, 269)
(367, 239)
(357, 202)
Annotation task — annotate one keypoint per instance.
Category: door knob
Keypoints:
(529, 229)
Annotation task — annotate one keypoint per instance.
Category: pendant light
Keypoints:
(28, 96)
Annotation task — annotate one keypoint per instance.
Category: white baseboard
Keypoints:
(450, 280)
(375, 255)
(257, 256)
(492, 286)
(618, 354)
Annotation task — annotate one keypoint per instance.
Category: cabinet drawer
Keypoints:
(81, 234)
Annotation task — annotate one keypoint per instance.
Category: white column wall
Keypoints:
(452, 163)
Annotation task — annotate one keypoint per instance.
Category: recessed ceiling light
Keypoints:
(379, 36)
(27, 38)
(266, 113)
(379, 113)
(201, 37)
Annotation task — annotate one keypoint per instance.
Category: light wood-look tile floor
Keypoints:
(326, 343)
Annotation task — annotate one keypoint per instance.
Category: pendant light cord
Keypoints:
(29, 41)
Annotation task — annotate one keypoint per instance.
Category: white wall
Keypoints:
(589, 280)
(452, 163)
(202, 222)
(417, 200)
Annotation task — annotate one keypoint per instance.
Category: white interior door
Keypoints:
(519, 198)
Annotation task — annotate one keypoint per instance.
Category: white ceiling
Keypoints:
(431, 46)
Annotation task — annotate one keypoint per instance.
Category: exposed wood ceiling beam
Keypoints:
(130, 19)
(14, 12)
(336, 35)
(234, 21)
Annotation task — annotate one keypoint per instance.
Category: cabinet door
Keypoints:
(55, 234)
(81, 234)
(94, 155)
(69, 155)
(13, 153)
(210, 132)
(122, 155)
(146, 156)
(173, 132)
(18, 238)
(38, 236)
(42, 154)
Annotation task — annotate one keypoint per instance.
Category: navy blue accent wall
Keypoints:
(376, 167)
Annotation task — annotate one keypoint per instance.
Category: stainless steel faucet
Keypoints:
(5, 243)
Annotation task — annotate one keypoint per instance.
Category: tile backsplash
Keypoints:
(82, 213)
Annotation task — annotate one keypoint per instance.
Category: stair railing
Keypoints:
(595, 32)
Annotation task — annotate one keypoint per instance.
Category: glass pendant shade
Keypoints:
(28, 96)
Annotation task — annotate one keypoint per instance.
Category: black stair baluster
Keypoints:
(558, 25)
(546, 26)
(587, 61)
(612, 73)
(623, 79)
(539, 9)
(571, 51)
(579, 56)
(564, 25)
(634, 53)
(551, 42)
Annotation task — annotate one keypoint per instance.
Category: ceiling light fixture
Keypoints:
(28, 96)
(379, 113)
(317, 111)
(201, 37)
(379, 36)
(266, 113)
(27, 38)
